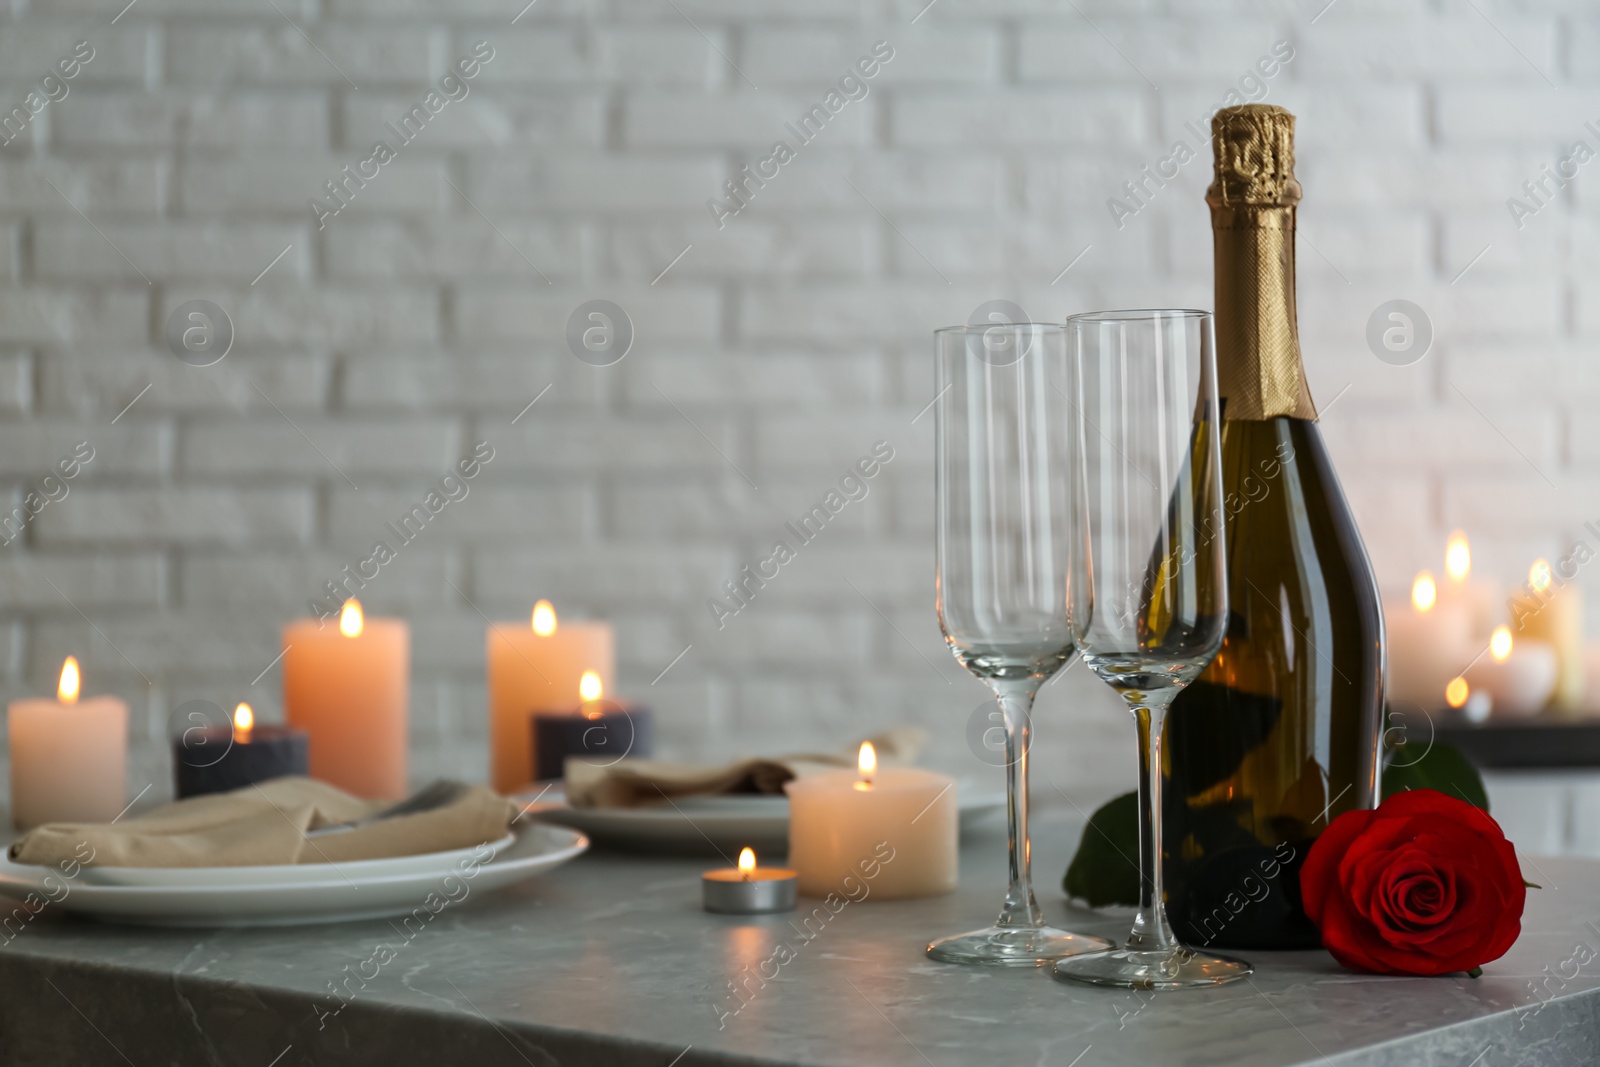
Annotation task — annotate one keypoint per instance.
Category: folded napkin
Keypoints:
(633, 783)
(266, 825)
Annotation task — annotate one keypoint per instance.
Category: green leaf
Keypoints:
(1106, 867)
(1438, 767)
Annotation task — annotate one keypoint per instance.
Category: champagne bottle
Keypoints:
(1281, 732)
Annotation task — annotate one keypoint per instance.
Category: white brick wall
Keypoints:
(773, 353)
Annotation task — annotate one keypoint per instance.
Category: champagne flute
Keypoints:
(1001, 495)
(1148, 595)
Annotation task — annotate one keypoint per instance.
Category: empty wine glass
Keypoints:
(1148, 596)
(1001, 490)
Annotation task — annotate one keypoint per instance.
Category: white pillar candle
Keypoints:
(68, 757)
(1430, 643)
(879, 834)
(1478, 601)
(533, 668)
(1518, 677)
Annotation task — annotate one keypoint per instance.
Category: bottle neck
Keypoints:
(1259, 373)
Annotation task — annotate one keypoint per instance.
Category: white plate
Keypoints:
(429, 863)
(536, 849)
(705, 825)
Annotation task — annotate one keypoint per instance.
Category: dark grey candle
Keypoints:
(602, 730)
(220, 759)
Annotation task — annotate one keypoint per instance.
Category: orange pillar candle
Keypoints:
(533, 668)
(348, 688)
(68, 757)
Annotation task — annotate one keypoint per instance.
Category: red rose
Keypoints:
(1426, 884)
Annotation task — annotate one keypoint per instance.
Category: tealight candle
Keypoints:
(348, 689)
(893, 830)
(598, 729)
(219, 759)
(1554, 615)
(748, 889)
(68, 757)
(537, 668)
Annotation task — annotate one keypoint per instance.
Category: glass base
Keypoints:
(1014, 946)
(1178, 968)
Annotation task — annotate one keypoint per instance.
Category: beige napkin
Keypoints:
(633, 783)
(266, 825)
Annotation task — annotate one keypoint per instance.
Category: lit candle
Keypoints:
(68, 756)
(538, 668)
(881, 833)
(1552, 611)
(1518, 677)
(599, 730)
(748, 889)
(348, 689)
(1477, 600)
(217, 759)
(1429, 644)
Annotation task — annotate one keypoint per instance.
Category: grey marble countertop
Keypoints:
(610, 961)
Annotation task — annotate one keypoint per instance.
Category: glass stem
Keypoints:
(1016, 712)
(1151, 931)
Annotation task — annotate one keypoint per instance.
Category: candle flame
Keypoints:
(747, 860)
(544, 618)
(351, 620)
(1540, 576)
(1457, 557)
(1456, 693)
(67, 689)
(589, 687)
(243, 719)
(867, 760)
(1500, 644)
(1424, 592)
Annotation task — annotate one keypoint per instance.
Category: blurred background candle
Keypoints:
(348, 688)
(217, 759)
(1478, 601)
(1517, 677)
(535, 668)
(1429, 644)
(602, 731)
(68, 757)
(1553, 613)
(892, 830)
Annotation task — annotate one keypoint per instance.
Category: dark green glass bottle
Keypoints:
(1281, 733)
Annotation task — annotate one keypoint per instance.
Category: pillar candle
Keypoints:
(1553, 613)
(1518, 677)
(1479, 601)
(348, 687)
(1430, 642)
(892, 830)
(68, 757)
(220, 759)
(534, 668)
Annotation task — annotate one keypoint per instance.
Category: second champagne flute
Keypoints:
(1149, 590)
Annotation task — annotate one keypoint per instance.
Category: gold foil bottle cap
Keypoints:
(1253, 146)
(1253, 198)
